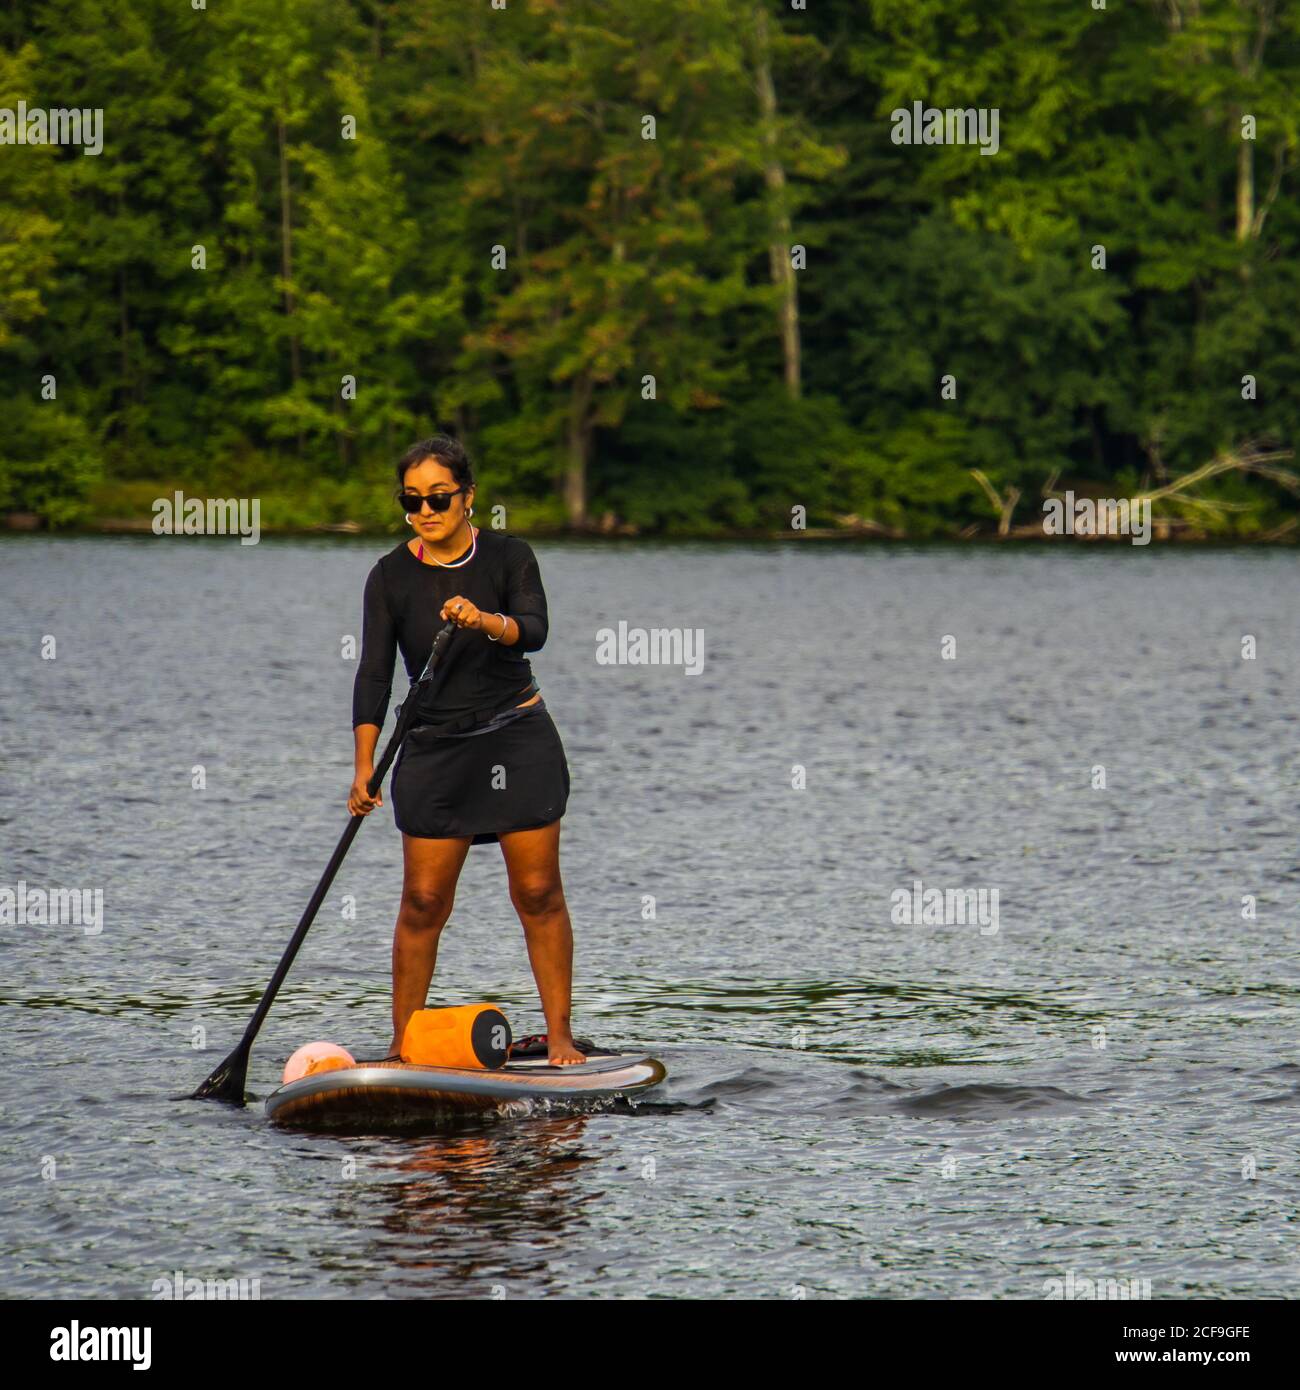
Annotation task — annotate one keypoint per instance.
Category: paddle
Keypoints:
(227, 1082)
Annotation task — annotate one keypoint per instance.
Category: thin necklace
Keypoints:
(473, 546)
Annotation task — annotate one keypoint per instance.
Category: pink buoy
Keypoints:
(316, 1056)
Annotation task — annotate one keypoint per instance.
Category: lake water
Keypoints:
(1104, 1085)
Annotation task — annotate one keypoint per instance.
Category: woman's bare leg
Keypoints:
(533, 864)
(431, 869)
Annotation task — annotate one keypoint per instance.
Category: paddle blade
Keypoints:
(227, 1082)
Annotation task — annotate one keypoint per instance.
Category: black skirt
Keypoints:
(483, 785)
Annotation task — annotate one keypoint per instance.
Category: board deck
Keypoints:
(398, 1093)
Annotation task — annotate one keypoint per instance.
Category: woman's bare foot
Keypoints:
(561, 1051)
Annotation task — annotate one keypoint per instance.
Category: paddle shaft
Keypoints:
(227, 1082)
(323, 887)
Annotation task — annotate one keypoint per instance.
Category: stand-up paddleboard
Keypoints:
(394, 1094)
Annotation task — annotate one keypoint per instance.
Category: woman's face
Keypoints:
(428, 477)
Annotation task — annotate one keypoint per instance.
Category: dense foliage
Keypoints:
(456, 207)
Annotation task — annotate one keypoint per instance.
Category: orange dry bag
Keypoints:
(473, 1035)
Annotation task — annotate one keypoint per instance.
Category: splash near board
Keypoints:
(393, 1094)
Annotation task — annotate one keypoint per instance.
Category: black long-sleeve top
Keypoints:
(402, 601)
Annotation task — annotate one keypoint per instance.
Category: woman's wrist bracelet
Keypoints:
(505, 627)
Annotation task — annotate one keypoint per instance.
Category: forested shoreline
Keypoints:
(696, 267)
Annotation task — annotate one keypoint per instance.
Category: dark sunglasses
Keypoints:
(413, 502)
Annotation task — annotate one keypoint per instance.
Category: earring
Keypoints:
(469, 511)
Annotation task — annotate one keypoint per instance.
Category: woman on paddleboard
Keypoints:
(484, 761)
